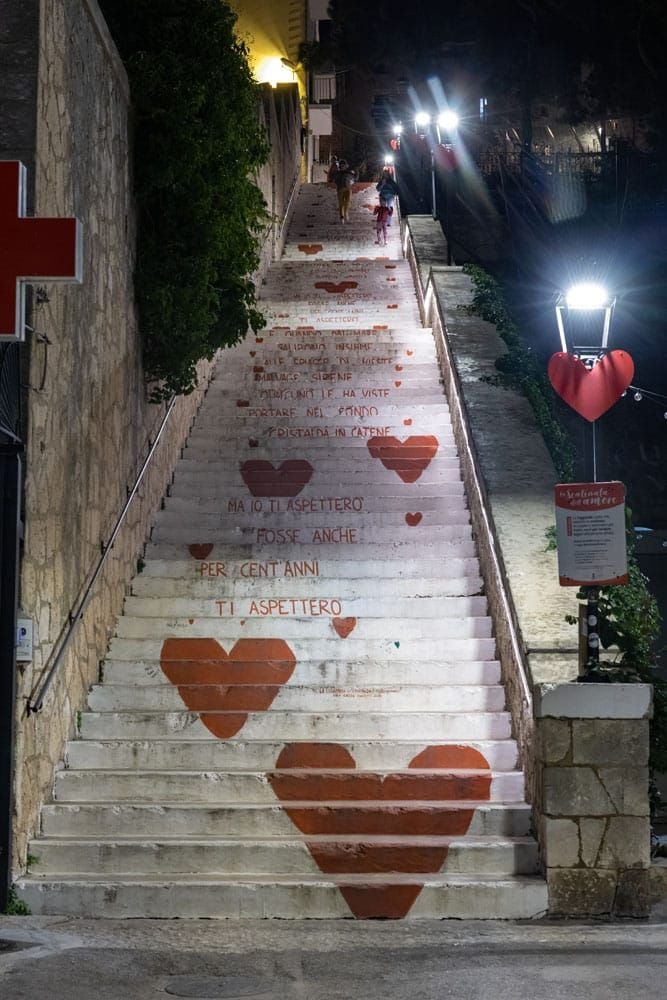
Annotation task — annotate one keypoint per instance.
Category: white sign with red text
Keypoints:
(590, 534)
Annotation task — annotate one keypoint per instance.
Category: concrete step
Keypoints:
(278, 725)
(391, 555)
(280, 855)
(318, 896)
(217, 582)
(388, 650)
(333, 673)
(317, 622)
(366, 572)
(210, 505)
(446, 538)
(220, 788)
(240, 754)
(165, 697)
(166, 820)
(450, 512)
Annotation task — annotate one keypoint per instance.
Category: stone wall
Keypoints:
(278, 180)
(592, 753)
(89, 424)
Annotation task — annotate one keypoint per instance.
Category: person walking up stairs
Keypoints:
(302, 713)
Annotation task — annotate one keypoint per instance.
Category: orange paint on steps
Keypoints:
(409, 458)
(218, 684)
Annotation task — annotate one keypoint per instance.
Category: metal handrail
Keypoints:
(36, 703)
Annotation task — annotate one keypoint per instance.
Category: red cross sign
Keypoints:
(30, 250)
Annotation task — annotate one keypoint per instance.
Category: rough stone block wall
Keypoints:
(89, 424)
(595, 833)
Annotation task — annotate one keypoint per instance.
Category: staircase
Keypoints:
(301, 713)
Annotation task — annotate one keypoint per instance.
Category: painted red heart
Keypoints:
(591, 392)
(200, 551)
(413, 519)
(225, 687)
(380, 326)
(346, 803)
(392, 307)
(398, 384)
(344, 626)
(333, 288)
(408, 458)
(264, 480)
(398, 368)
(243, 402)
(408, 422)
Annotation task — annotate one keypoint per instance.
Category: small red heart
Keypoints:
(200, 551)
(409, 353)
(409, 458)
(398, 368)
(225, 687)
(259, 340)
(264, 480)
(398, 384)
(344, 626)
(392, 307)
(413, 519)
(334, 803)
(243, 402)
(252, 353)
(253, 443)
(408, 422)
(591, 392)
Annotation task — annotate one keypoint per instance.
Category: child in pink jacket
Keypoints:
(383, 214)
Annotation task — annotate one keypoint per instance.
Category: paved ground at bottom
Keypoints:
(328, 960)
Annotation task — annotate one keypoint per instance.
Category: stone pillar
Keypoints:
(592, 759)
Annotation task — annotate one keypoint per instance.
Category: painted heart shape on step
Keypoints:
(225, 687)
(310, 248)
(591, 392)
(344, 626)
(413, 519)
(263, 479)
(243, 402)
(336, 288)
(409, 458)
(200, 551)
(346, 803)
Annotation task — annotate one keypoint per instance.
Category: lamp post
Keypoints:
(583, 316)
(422, 129)
(447, 124)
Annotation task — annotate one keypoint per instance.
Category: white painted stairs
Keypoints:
(301, 713)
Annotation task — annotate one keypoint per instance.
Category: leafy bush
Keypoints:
(197, 143)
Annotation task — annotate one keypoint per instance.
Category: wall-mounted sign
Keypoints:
(30, 250)
(590, 533)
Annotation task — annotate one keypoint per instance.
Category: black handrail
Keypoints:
(36, 703)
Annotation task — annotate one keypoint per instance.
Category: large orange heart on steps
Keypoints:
(225, 687)
(331, 799)
(264, 480)
(408, 458)
(591, 392)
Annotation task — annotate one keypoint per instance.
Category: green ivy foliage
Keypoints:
(629, 615)
(198, 142)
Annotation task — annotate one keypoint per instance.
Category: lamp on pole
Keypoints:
(583, 316)
(447, 125)
(422, 129)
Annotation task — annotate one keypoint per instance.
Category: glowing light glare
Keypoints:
(389, 159)
(448, 120)
(587, 296)
(274, 71)
(397, 129)
(422, 118)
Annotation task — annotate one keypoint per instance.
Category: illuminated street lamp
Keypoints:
(448, 121)
(422, 122)
(584, 315)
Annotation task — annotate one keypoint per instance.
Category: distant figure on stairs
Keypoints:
(344, 180)
(387, 189)
(383, 214)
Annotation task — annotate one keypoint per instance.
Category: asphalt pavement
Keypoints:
(60, 958)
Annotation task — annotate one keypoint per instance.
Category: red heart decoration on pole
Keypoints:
(591, 392)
